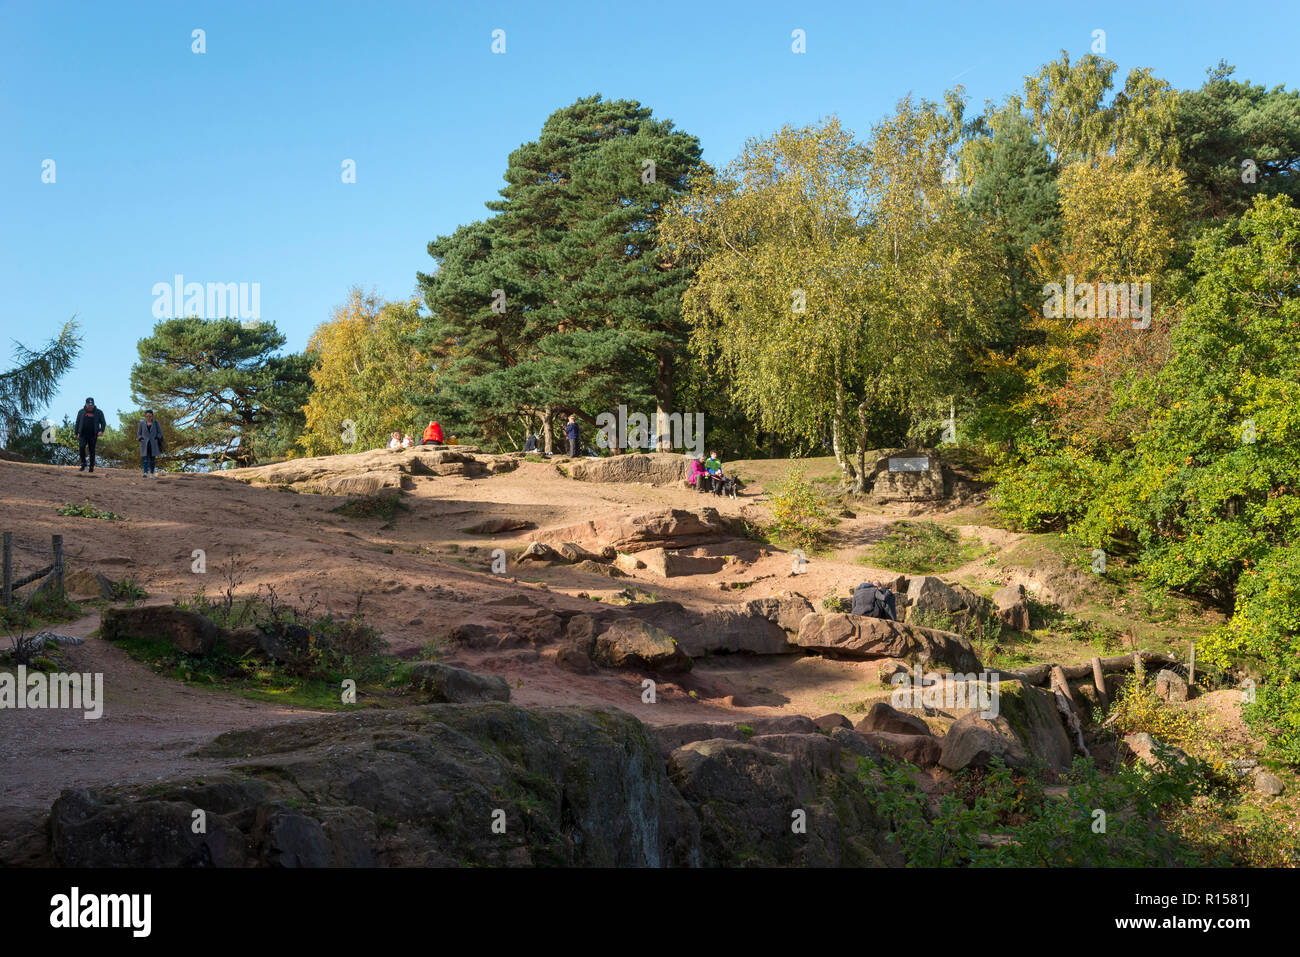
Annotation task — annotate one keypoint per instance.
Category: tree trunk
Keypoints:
(548, 417)
(663, 402)
(837, 439)
(862, 448)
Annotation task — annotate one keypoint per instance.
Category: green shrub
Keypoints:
(86, 510)
(920, 548)
(801, 514)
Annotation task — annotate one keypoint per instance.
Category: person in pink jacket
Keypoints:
(697, 476)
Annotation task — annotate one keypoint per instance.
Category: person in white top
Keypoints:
(407, 441)
(395, 440)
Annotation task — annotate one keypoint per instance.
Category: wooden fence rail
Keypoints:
(53, 570)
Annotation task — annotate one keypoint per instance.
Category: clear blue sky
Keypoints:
(225, 166)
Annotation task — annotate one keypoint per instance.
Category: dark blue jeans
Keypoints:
(147, 462)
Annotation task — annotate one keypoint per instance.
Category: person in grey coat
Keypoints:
(150, 435)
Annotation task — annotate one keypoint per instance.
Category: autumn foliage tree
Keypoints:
(368, 376)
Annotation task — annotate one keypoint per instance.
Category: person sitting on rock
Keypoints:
(713, 466)
(875, 601)
(697, 476)
(407, 441)
(395, 440)
(530, 444)
(433, 435)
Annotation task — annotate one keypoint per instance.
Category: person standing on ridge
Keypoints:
(571, 433)
(149, 433)
(89, 426)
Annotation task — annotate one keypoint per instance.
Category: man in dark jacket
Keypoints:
(571, 433)
(88, 428)
(874, 601)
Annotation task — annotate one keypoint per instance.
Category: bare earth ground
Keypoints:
(419, 578)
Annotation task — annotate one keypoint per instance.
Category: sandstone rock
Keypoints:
(829, 722)
(497, 526)
(538, 552)
(747, 797)
(189, 631)
(883, 717)
(629, 643)
(575, 655)
(599, 568)
(1145, 748)
(672, 528)
(934, 599)
(652, 469)
(1268, 783)
(786, 611)
(916, 749)
(1011, 604)
(573, 553)
(372, 471)
(444, 684)
(1170, 685)
(579, 787)
(673, 564)
(858, 637)
(974, 742)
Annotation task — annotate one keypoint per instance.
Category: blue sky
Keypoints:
(225, 166)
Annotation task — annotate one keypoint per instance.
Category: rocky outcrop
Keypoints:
(189, 631)
(628, 643)
(671, 528)
(930, 599)
(668, 563)
(1011, 605)
(975, 742)
(652, 469)
(443, 684)
(480, 785)
(883, 717)
(859, 637)
(756, 805)
(366, 473)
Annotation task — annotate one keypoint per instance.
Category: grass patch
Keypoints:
(383, 505)
(86, 510)
(921, 548)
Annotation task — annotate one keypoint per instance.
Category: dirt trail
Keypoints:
(420, 576)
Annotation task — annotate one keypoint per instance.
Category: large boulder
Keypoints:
(628, 643)
(1170, 685)
(1011, 605)
(883, 717)
(787, 610)
(757, 807)
(414, 787)
(374, 470)
(727, 629)
(975, 742)
(189, 631)
(862, 638)
(661, 528)
(670, 563)
(652, 469)
(932, 599)
(443, 684)
(920, 750)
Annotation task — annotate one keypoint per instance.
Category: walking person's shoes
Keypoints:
(83, 467)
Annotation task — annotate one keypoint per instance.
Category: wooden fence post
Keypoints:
(9, 569)
(58, 562)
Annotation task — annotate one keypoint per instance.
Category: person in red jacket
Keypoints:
(433, 435)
